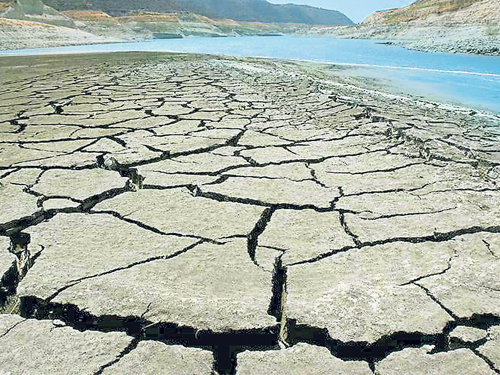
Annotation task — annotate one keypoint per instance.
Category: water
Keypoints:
(465, 80)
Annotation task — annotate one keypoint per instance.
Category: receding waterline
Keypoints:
(465, 80)
(419, 69)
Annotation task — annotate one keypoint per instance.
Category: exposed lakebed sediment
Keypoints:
(193, 214)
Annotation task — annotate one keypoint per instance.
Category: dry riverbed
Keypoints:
(198, 215)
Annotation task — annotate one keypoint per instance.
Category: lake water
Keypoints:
(465, 80)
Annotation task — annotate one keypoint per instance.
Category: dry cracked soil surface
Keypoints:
(175, 214)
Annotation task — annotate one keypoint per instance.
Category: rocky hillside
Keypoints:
(32, 24)
(434, 12)
(144, 25)
(452, 26)
(240, 10)
(35, 11)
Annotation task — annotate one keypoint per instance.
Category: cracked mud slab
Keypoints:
(304, 234)
(301, 359)
(108, 244)
(214, 210)
(422, 361)
(468, 334)
(15, 203)
(365, 294)
(74, 184)
(182, 212)
(45, 347)
(469, 286)
(153, 357)
(7, 259)
(209, 287)
(491, 349)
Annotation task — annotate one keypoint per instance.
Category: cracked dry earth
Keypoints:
(173, 214)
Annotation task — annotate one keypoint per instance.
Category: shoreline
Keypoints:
(353, 85)
(467, 39)
(399, 83)
(419, 40)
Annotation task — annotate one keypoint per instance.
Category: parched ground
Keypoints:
(175, 214)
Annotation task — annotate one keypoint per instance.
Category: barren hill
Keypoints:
(240, 10)
(439, 12)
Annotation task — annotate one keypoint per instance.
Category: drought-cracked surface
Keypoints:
(191, 215)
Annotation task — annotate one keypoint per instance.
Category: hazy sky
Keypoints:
(356, 10)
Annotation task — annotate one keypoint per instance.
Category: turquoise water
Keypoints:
(464, 80)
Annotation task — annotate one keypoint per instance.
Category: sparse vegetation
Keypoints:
(247, 11)
(423, 8)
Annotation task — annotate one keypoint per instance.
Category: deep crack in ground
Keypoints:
(235, 216)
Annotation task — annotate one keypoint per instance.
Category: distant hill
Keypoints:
(35, 11)
(240, 10)
(440, 11)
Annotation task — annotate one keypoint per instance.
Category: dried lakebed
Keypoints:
(198, 215)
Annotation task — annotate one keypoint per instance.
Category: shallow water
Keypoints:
(465, 80)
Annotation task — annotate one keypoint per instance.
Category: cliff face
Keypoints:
(439, 12)
(241, 10)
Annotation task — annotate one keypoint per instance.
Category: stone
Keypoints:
(363, 294)
(153, 357)
(419, 361)
(38, 347)
(297, 360)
